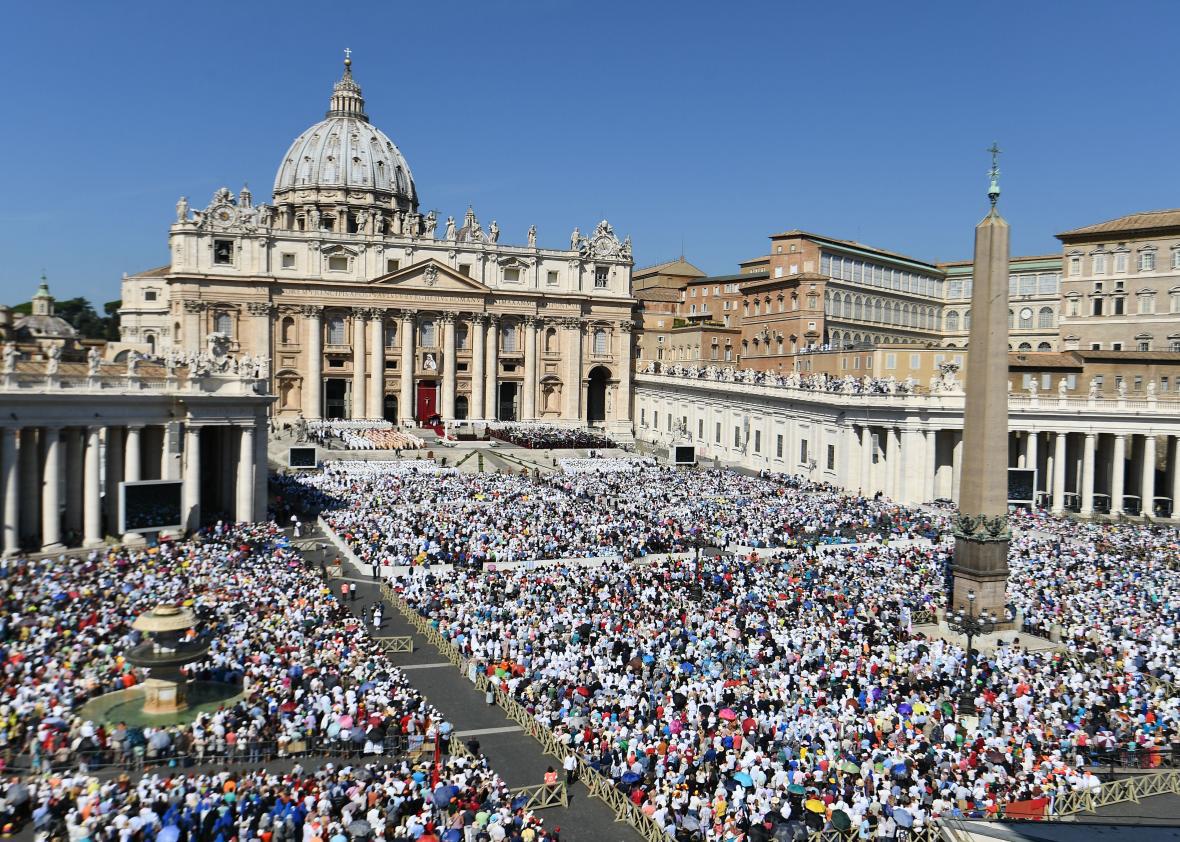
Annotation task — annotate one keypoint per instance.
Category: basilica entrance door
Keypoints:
(390, 413)
(427, 400)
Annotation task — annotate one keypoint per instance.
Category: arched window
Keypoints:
(287, 331)
(1026, 317)
(1024, 346)
(599, 346)
(1011, 319)
(508, 337)
(1044, 346)
(952, 320)
(462, 335)
(551, 341)
(336, 330)
(223, 323)
(1045, 317)
(390, 334)
(859, 307)
(967, 320)
(427, 333)
(151, 342)
(176, 331)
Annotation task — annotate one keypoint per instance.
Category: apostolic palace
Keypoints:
(366, 307)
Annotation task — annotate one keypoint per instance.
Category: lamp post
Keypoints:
(972, 625)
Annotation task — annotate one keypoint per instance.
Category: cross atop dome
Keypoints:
(346, 95)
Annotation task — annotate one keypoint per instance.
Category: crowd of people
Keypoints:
(362, 435)
(550, 437)
(391, 518)
(394, 802)
(310, 679)
(717, 692)
(808, 381)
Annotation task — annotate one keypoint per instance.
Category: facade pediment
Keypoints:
(431, 276)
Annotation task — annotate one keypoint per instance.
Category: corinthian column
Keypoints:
(492, 392)
(263, 317)
(405, 404)
(192, 476)
(376, 397)
(448, 366)
(529, 404)
(478, 322)
(314, 385)
(359, 317)
(244, 487)
(573, 378)
(623, 404)
(10, 488)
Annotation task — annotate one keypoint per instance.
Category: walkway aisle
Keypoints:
(514, 755)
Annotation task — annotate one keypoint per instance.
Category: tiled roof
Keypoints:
(679, 266)
(1131, 222)
(158, 272)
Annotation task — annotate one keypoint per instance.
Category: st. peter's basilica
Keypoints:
(359, 306)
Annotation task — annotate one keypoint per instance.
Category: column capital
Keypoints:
(312, 311)
(407, 317)
(626, 326)
(260, 308)
(194, 306)
(494, 319)
(531, 321)
(378, 314)
(479, 318)
(447, 318)
(572, 323)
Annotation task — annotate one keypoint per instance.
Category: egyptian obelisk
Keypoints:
(981, 525)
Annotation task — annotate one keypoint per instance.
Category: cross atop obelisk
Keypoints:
(981, 525)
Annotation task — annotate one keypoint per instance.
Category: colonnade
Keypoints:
(59, 483)
(544, 360)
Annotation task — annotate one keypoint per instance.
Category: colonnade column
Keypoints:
(896, 476)
(491, 392)
(529, 404)
(1059, 444)
(244, 498)
(10, 488)
(359, 383)
(623, 405)
(1087, 489)
(1118, 466)
(405, 401)
(573, 384)
(260, 467)
(448, 366)
(956, 465)
(476, 409)
(313, 389)
(914, 479)
(376, 399)
(1147, 477)
(51, 490)
(931, 447)
(192, 476)
(30, 481)
(866, 460)
(1174, 464)
(92, 493)
(1032, 447)
(131, 456)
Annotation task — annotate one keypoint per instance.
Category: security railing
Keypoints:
(395, 643)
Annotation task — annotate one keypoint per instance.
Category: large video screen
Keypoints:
(301, 457)
(1022, 485)
(151, 506)
(684, 454)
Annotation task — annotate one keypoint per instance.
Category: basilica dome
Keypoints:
(344, 156)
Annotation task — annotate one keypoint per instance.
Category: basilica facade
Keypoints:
(359, 306)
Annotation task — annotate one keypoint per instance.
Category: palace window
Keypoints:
(1120, 263)
(599, 342)
(551, 279)
(390, 334)
(149, 295)
(1099, 264)
(831, 457)
(1075, 264)
(462, 336)
(287, 260)
(336, 330)
(392, 264)
(223, 323)
(512, 275)
(1045, 317)
(1146, 302)
(338, 263)
(223, 252)
(287, 331)
(508, 338)
(427, 334)
(1147, 261)
(601, 277)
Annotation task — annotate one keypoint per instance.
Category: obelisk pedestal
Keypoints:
(981, 524)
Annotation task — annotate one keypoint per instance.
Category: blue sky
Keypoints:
(711, 125)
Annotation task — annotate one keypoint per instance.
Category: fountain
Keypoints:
(166, 649)
(167, 697)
